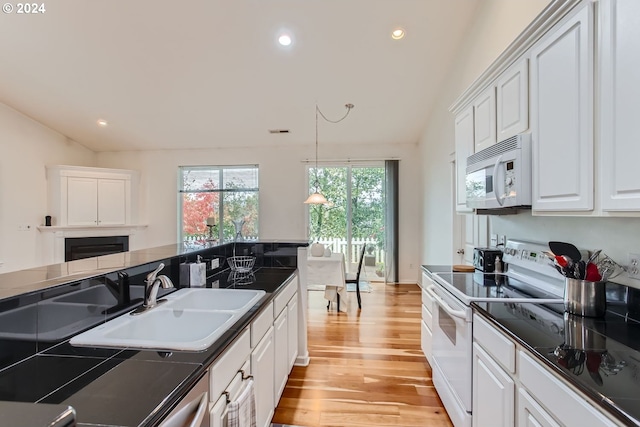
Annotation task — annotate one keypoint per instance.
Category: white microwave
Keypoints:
(499, 176)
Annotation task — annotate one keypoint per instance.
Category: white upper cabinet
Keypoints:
(464, 148)
(484, 122)
(512, 100)
(93, 201)
(562, 114)
(619, 62)
(82, 196)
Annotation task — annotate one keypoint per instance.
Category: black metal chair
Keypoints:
(356, 281)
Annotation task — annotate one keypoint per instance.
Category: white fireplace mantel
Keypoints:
(53, 242)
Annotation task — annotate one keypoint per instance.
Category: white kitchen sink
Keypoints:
(190, 320)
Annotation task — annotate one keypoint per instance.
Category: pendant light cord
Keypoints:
(317, 181)
(347, 106)
(318, 111)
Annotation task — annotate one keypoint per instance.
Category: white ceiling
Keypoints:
(209, 73)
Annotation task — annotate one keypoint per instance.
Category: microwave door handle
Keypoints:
(494, 180)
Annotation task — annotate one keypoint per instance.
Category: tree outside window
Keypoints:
(224, 193)
(355, 216)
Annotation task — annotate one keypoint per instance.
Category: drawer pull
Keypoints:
(227, 394)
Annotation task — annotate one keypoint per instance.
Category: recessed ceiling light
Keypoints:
(284, 39)
(397, 34)
(103, 123)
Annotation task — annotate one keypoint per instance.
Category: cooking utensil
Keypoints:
(568, 249)
(566, 265)
(582, 270)
(562, 260)
(592, 273)
(593, 256)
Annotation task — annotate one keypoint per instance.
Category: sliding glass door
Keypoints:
(355, 215)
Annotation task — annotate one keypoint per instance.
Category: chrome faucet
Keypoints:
(151, 286)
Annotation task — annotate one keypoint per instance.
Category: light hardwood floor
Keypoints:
(367, 368)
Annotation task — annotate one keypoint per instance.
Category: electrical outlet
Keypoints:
(633, 268)
(502, 240)
(493, 242)
(215, 263)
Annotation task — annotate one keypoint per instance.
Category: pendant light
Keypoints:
(316, 198)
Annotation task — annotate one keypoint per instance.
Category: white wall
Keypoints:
(283, 188)
(26, 147)
(497, 24)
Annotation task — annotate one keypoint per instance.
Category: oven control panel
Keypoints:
(525, 254)
(527, 260)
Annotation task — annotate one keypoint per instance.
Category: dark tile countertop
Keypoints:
(604, 352)
(598, 356)
(112, 387)
(29, 415)
(115, 387)
(270, 253)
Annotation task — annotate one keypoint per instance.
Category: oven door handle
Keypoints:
(461, 314)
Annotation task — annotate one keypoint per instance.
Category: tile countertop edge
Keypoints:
(183, 389)
(603, 401)
(59, 274)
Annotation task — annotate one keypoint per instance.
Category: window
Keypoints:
(228, 194)
(355, 215)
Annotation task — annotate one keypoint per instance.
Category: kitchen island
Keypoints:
(125, 387)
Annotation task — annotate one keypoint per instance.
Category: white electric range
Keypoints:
(530, 277)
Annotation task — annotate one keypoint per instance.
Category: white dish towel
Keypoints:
(242, 411)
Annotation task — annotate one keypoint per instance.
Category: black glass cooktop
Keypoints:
(492, 285)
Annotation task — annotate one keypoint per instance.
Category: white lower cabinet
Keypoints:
(265, 352)
(566, 406)
(493, 391)
(512, 388)
(426, 327)
(531, 414)
(292, 320)
(281, 367)
(218, 408)
(262, 367)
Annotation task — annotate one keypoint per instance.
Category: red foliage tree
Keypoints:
(196, 208)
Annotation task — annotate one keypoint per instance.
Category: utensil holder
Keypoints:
(583, 333)
(584, 298)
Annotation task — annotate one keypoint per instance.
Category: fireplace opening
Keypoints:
(87, 247)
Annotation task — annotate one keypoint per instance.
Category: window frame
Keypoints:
(220, 190)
